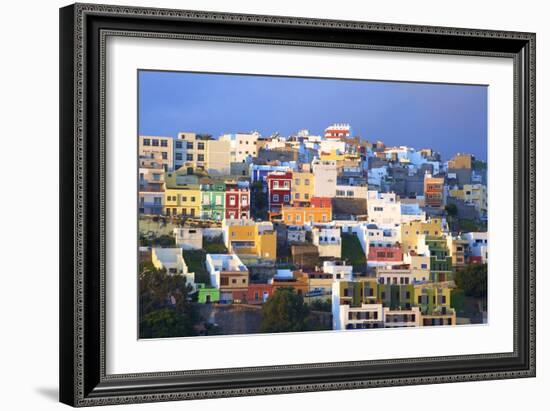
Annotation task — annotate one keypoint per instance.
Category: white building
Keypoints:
(296, 234)
(243, 146)
(371, 234)
(477, 245)
(402, 318)
(188, 238)
(218, 264)
(351, 191)
(383, 209)
(328, 240)
(339, 270)
(325, 174)
(171, 259)
(345, 317)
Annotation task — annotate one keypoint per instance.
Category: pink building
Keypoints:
(383, 255)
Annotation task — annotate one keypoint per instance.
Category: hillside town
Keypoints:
(356, 234)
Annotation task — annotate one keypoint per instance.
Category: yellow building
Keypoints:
(247, 237)
(182, 195)
(302, 186)
(319, 210)
(475, 194)
(460, 161)
(411, 232)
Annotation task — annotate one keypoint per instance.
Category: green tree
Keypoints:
(472, 279)
(284, 311)
(165, 309)
(451, 210)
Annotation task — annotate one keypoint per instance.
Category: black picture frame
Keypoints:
(83, 29)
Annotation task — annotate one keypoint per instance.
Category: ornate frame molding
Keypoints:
(83, 42)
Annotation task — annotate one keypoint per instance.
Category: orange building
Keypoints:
(318, 210)
(299, 282)
(433, 190)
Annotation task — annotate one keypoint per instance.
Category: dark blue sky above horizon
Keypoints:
(447, 118)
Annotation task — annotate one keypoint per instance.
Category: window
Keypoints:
(224, 281)
(324, 218)
(193, 199)
(276, 184)
(379, 209)
(178, 144)
(306, 196)
(297, 196)
(286, 198)
(164, 143)
(200, 146)
(298, 217)
(297, 181)
(156, 177)
(146, 142)
(350, 193)
(287, 184)
(218, 200)
(183, 198)
(189, 145)
(164, 155)
(189, 157)
(234, 280)
(275, 198)
(424, 266)
(155, 143)
(289, 217)
(179, 156)
(200, 157)
(306, 181)
(232, 200)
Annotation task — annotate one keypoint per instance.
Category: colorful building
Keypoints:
(279, 186)
(318, 210)
(229, 275)
(302, 185)
(181, 198)
(213, 201)
(237, 199)
(150, 146)
(440, 259)
(433, 191)
(207, 294)
(411, 232)
(247, 237)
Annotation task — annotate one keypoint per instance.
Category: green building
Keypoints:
(441, 261)
(213, 201)
(207, 294)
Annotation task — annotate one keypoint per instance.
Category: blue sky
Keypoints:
(447, 118)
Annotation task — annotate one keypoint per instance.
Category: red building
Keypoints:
(338, 131)
(392, 254)
(258, 293)
(278, 189)
(237, 200)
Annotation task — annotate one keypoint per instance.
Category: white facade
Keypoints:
(339, 270)
(325, 174)
(218, 263)
(411, 212)
(188, 238)
(296, 234)
(348, 191)
(328, 240)
(171, 259)
(243, 146)
(345, 317)
(383, 209)
(402, 318)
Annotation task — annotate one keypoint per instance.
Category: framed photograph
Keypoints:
(261, 204)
